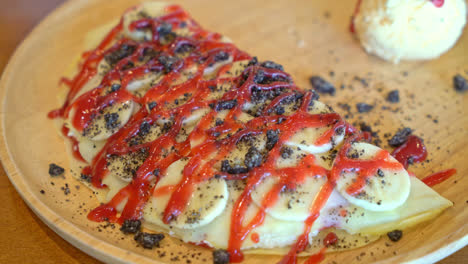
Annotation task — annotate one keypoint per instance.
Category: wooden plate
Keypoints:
(307, 37)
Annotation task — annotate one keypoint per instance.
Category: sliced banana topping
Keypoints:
(218, 91)
(272, 233)
(89, 148)
(236, 69)
(384, 191)
(218, 120)
(140, 86)
(125, 166)
(208, 199)
(306, 139)
(105, 123)
(147, 133)
(186, 75)
(114, 185)
(423, 203)
(89, 85)
(291, 205)
(211, 70)
(145, 10)
(190, 122)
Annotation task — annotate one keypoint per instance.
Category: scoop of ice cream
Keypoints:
(409, 29)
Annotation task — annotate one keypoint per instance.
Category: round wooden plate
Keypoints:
(307, 37)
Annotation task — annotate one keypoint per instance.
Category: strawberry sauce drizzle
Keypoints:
(438, 177)
(413, 150)
(438, 3)
(202, 158)
(352, 28)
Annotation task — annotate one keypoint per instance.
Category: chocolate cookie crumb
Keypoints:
(253, 158)
(164, 28)
(395, 235)
(226, 105)
(130, 226)
(253, 61)
(42, 191)
(272, 65)
(363, 107)
(400, 137)
(220, 256)
(322, 86)
(115, 87)
(112, 120)
(221, 56)
(167, 62)
(286, 152)
(65, 189)
(148, 240)
(459, 83)
(272, 138)
(85, 177)
(226, 167)
(55, 170)
(393, 96)
(156, 172)
(151, 105)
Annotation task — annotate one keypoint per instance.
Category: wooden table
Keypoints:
(25, 239)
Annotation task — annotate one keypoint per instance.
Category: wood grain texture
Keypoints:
(309, 38)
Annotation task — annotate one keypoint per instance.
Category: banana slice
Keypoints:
(141, 86)
(210, 72)
(89, 149)
(208, 199)
(385, 191)
(423, 203)
(147, 9)
(306, 139)
(236, 69)
(125, 166)
(190, 123)
(292, 205)
(106, 123)
(185, 75)
(217, 120)
(89, 85)
(114, 185)
(272, 233)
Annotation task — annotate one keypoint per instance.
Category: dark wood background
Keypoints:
(24, 238)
